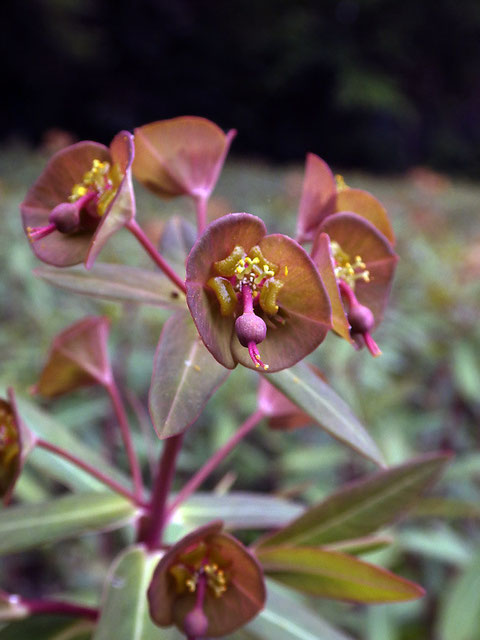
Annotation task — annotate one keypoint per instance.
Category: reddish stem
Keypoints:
(201, 210)
(106, 480)
(121, 414)
(247, 299)
(371, 345)
(347, 291)
(213, 462)
(153, 530)
(138, 232)
(59, 608)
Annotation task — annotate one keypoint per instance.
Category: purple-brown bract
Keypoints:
(236, 262)
(83, 196)
(207, 579)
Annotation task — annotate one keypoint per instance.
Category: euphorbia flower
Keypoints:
(78, 357)
(180, 156)
(16, 442)
(357, 264)
(246, 288)
(323, 195)
(208, 584)
(83, 196)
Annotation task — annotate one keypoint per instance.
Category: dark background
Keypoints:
(381, 84)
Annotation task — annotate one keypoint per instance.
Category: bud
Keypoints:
(195, 624)
(361, 318)
(66, 217)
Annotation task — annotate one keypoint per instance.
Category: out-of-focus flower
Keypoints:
(83, 196)
(208, 584)
(357, 264)
(323, 195)
(16, 442)
(78, 357)
(180, 156)
(245, 288)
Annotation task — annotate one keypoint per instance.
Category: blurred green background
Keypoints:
(421, 395)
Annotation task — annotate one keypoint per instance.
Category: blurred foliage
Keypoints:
(420, 396)
(373, 83)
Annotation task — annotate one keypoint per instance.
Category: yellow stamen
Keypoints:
(347, 270)
(341, 184)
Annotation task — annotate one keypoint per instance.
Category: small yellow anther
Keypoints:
(286, 270)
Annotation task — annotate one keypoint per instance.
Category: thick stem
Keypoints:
(201, 210)
(121, 414)
(213, 462)
(104, 479)
(138, 232)
(153, 530)
(59, 608)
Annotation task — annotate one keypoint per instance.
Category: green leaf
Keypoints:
(125, 614)
(358, 546)
(328, 410)
(362, 507)
(329, 574)
(46, 628)
(26, 527)
(56, 467)
(460, 613)
(238, 510)
(184, 377)
(116, 282)
(446, 508)
(286, 618)
(178, 237)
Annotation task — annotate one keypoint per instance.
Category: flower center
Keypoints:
(347, 270)
(87, 203)
(194, 567)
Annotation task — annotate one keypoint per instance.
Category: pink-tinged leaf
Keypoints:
(363, 506)
(359, 546)
(329, 574)
(215, 244)
(66, 168)
(176, 241)
(122, 209)
(78, 357)
(318, 196)
(116, 282)
(16, 442)
(280, 411)
(184, 377)
(322, 257)
(312, 395)
(365, 205)
(242, 599)
(358, 237)
(303, 302)
(181, 156)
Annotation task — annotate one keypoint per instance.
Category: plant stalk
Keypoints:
(59, 608)
(81, 464)
(213, 462)
(159, 260)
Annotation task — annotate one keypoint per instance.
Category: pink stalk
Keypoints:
(121, 414)
(347, 291)
(201, 210)
(138, 232)
(213, 462)
(371, 345)
(153, 529)
(104, 479)
(59, 608)
(37, 233)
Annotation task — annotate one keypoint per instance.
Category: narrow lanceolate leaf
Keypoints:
(69, 475)
(116, 282)
(238, 510)
(26, 527)
(124, 612)
(460, 611)
(362, 507)
(329, 574)
(328, 410)
(184, 377)
(287, 618)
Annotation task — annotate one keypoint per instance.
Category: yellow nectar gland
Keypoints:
(187, 578)
(347, 270)
(341, 184)
(9, 447)
(102, 179)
